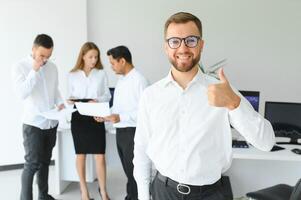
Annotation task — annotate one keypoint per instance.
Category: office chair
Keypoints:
(278, 192)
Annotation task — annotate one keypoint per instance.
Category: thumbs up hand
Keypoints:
(221, 94)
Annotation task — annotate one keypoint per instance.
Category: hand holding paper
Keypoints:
(93, 109)
(99, 119)
(114, 118)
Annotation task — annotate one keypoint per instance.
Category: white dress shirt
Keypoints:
(39, 89)
(93, 86)
(188, 140)
(127, 94)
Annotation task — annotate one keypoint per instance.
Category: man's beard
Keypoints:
(186, 68)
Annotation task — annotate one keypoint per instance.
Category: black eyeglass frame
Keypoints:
(185, 41)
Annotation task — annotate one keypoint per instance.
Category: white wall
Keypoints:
(20, 22)
(260, 39)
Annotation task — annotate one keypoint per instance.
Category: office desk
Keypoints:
(65, 158)
(65, 170)
(253, 169)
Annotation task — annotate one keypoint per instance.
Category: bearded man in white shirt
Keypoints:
(36, 82)
(183, 125)
(125, 105)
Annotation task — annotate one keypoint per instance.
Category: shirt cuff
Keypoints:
(240, 111)
(32, 75)
(60, 102)
(123, 117)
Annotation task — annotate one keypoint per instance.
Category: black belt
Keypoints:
(187, 189)
(126, 128)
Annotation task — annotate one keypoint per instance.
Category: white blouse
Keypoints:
(94, 86)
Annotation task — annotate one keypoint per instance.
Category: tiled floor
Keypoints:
(10, 186)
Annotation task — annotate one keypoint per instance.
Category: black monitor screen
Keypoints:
(285, 119)
(112, 96)
(252, 97)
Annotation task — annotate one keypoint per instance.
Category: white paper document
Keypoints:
(55, 114)
(93, 109)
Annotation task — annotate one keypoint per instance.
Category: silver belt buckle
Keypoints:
(183, 186)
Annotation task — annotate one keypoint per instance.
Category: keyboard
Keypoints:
(277, 148)
(239, 144)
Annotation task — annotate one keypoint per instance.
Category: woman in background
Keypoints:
(88, 83)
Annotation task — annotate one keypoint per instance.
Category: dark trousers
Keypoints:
(38, 145)
(163, 190)
(125, 147)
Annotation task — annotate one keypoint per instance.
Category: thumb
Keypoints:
(222, 76)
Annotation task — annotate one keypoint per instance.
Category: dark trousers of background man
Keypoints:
(38, 145)
(125, 147)
(166, 189)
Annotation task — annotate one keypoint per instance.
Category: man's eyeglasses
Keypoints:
(190, 41)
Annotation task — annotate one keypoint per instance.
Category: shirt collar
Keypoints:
(129, 74)
(82, 72)
(198, 78)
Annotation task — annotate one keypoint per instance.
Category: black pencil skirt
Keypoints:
(89, 136)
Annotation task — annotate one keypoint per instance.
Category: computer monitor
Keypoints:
(252, 97)
(285, 119)
(112, 96)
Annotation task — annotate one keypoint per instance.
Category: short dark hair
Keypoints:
(182, 18)
(44, 41)
(120, 52)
